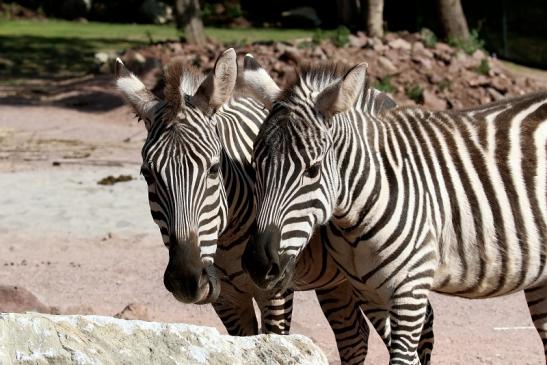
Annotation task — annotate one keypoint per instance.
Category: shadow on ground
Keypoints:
(26, 57)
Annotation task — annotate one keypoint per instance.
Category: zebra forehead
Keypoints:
(281, 140)
(181, 81)
(181, 139)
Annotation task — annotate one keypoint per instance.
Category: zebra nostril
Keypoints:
(273, 271)
(167, 282)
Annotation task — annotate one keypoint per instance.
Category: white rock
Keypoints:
(34, 338)
(102, 57)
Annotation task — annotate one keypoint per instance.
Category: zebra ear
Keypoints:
(254, 81)
(136, 94)
(382, 102)
(341, 95)
(218, 86)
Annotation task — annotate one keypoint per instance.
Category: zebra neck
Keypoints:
(238, 123)
(357, 139)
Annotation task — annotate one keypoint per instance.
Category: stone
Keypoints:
(357, 41)
(387, 65)
(319, 53)
(379, 47)
(400, 44)
(425, 62)
(432, 101)
(419, 50)
(501, 84)
(17, 299)
(134, 311)
(389, 37)
(291, 54)
(479, 55)
(479, 80)
(496, 95)
(35, 338)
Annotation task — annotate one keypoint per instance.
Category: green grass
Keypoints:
(56, 48)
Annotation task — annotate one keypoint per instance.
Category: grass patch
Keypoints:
(429, 38)
(384, 84)
(415, 92)
(341, 36)
(445, 84)
(483, 68)
(469, 45)
(56, 49)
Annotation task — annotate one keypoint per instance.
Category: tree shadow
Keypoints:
(24, 57)
(58, 71)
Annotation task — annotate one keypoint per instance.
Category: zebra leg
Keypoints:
(237, 314)
(276, 311)
(537, 305)
(347, 322)
(425, 346)
(379, 318)
(407, 318)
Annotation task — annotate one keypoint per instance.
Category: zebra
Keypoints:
(196, 162)
(407, 201)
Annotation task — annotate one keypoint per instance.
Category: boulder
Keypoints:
(34, 338)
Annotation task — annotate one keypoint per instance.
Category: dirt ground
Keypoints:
(75, 243)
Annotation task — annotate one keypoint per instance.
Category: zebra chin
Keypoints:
(207, 290)
(281, 280)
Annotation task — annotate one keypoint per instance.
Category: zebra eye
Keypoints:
(146, 174)
(312, 171)
(213, 170)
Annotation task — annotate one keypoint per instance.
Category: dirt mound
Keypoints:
(411, 67)
(19, 300)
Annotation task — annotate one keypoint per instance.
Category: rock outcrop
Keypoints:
(34, 338)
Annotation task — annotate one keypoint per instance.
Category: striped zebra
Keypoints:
(407, 201)
(196, 161)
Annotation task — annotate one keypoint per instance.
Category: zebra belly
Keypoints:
(478, 273)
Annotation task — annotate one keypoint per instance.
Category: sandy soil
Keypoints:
(73, 242)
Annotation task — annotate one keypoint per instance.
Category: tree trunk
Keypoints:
(187, 16)
(453, 19)
(375, 18)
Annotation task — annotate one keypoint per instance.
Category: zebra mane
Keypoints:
(180, 80)
(316, 77)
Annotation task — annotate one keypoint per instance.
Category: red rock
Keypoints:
(432, 101)
(387, 65)
(479, 80)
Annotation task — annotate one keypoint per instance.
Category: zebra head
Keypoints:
(182, 167)
(297, 174)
